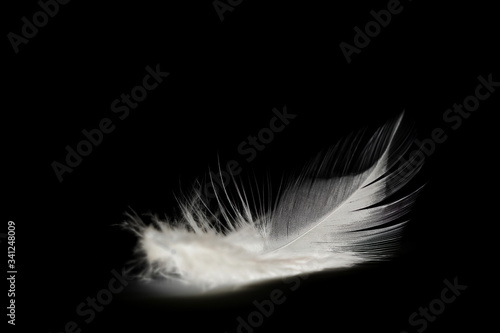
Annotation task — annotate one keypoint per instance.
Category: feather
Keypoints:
(343, 209)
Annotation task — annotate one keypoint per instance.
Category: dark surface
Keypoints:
(225, 79)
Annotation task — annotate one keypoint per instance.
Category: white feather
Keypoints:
(323, 219)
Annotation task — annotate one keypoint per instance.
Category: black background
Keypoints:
(225, 78)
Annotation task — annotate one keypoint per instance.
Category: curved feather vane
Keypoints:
(342, 210)
(321, 213)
